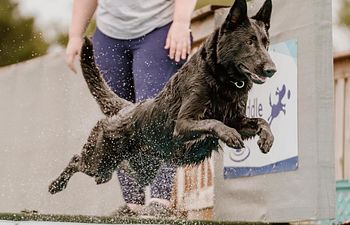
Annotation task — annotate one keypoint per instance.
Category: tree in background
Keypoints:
(19, 40)
(62, 38)
(201, 3)
(344, 13)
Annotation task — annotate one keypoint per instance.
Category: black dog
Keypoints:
(204, 102)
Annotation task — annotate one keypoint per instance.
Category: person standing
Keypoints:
(138, 46)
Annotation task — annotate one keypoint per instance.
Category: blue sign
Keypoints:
(276, 102)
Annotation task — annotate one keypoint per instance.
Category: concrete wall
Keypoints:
(309, 192)
(46, 113)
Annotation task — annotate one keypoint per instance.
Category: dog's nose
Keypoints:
(270, 72)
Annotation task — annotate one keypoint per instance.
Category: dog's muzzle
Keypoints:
(258, 79)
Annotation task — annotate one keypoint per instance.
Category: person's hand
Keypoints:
(73, 49)
(178, 41)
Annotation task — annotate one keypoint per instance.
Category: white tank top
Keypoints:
(129, 19)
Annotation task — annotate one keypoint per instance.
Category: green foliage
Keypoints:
(201, 3)
(19, 39)
(63, 38)
(344, 13)
(91, 28)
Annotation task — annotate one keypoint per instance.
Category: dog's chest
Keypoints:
(225, 110)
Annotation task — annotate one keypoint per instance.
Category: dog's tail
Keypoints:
(109, 102)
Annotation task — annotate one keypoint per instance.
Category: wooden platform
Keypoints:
(6, 218)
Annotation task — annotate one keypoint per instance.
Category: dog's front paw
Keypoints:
(232, 139)
(266, 140)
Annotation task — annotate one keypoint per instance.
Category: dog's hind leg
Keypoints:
(61, 182)
(112, 153)
(107, 166)
(85, 162)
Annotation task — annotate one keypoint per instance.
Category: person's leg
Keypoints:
(152, 68)
(162, 185)
(114, 59)
(161, 190)
(133, 192)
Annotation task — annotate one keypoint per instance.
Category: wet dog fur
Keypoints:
(204, 102)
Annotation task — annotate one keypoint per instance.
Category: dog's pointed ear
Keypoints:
(264, 14)
(237, 15)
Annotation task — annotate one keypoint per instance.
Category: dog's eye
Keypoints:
(252, 40)
(265, 41)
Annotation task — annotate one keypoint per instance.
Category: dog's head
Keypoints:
(243, 44)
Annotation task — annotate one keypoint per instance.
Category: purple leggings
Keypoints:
(138, 69)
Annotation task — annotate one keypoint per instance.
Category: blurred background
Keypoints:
(33, 28)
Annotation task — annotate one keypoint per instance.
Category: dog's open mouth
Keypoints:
(254, 77)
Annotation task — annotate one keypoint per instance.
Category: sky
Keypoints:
(55, 15)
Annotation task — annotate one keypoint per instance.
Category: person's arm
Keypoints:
(82, 12)
(178, 40)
